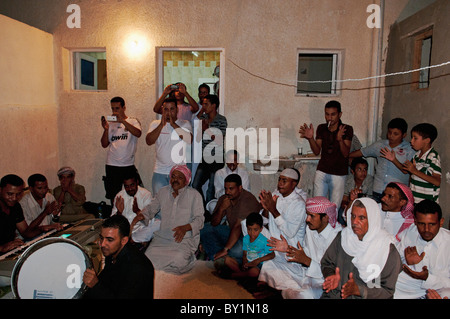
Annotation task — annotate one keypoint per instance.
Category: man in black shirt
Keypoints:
(128, 273)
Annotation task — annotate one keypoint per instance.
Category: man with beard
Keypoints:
(173, 246)
(321, 231)
(220, 239)
(128, 202)
(38, 200)
(424, 250)
(128, 273)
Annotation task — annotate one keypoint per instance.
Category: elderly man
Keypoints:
(173, 246)
(321, 231)
(425, 254)
(361, 253)
(70, 195)
(128, 202)
(396, 207)
(287, 215)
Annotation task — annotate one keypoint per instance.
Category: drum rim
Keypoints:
(39, 244)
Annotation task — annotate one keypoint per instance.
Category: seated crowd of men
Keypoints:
(352, 239)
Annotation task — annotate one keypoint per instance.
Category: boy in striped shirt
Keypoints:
(425, 168)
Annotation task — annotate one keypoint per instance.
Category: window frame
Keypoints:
(419, 37)
(160, 70)
(338, 62)
(74, 71)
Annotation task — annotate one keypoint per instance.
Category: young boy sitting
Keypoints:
(255, 251)
(425, 168)
(359, 182)
(386, 171)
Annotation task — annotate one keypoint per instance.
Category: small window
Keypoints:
(317, 72)
(422, 59)
(89, 70)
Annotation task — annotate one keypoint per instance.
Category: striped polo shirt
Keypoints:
(429, 163)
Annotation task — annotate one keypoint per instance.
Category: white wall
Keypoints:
(29, 131)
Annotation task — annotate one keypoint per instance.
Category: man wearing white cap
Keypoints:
(287, 215)
(321, 231)
(362, 261)
(173, 246)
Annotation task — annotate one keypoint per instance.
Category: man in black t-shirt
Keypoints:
(128, 273)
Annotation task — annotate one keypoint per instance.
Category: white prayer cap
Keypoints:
(291, 173)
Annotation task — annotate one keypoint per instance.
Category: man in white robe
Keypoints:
(425, 253)
(287, 216)
(128, 203)
(322, 229)
(173, 247)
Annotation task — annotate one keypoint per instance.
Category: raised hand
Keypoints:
(306, 131)
(412, 257)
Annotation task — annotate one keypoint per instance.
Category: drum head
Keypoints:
(51, 268)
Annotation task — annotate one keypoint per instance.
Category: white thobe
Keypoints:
(186, 208)
(315, 245)
(436, 258)
(278, 272)
(140, 232)
(391, 222)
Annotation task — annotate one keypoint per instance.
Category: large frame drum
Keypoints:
(51, 268)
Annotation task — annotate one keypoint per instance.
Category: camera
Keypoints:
(174, 87)
(111, 118)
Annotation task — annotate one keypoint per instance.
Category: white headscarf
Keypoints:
(371, 253)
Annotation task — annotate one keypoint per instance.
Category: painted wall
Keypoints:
(431, 105)
(29, 128)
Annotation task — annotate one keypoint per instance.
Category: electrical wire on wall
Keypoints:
(345, 80)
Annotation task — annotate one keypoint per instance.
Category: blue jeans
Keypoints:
(330, 186)
(159, 181)
(214, 239)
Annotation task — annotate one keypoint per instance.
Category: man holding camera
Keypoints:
(178, 91)
(120, 136)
